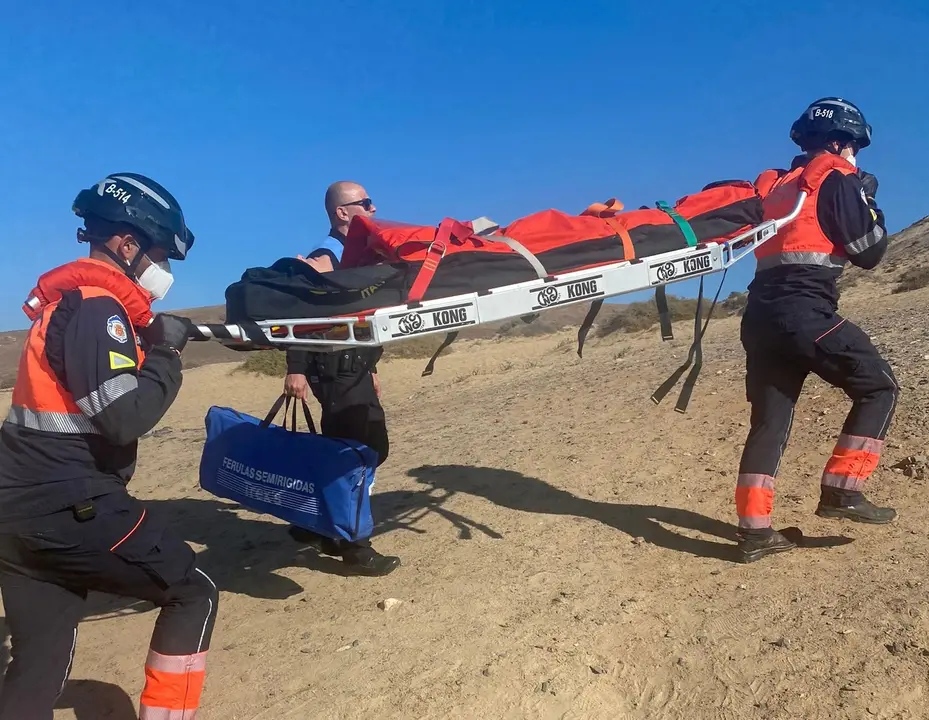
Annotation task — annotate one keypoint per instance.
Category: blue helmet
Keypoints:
(827, 119)
(142, 204)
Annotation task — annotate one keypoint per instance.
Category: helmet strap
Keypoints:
(128, 269)
(99, 243)
(134, 265)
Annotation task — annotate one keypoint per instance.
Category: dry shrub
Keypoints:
(273, 363)
(644, 315)
(417, 348)
(912, 279)
(539, 326)
(734, 304)
(848, 280)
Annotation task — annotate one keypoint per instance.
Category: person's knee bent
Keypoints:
(879, 381)
(890, 388)
(874, 392)
(192, 605)
(198, 591)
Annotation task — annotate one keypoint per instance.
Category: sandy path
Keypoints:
(567, 553)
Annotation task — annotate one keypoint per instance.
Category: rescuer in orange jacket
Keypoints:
(791, 327)
(98, 371)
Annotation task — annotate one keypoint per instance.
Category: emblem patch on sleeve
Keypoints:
(116, 329)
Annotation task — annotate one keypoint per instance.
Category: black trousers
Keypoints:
(350, 408)
(47, 567)
(782, 348)
(344, 386)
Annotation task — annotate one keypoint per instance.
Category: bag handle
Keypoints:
(276, 408)
(293, 416)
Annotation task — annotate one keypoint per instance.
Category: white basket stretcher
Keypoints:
(519, 300)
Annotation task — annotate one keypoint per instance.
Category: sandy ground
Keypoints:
(567, 552)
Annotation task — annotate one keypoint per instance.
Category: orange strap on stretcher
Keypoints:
(608, 211)
(449, 230)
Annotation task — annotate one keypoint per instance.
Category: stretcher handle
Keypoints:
(238, 332)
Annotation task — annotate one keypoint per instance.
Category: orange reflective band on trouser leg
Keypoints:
(754, 500)
(853, 460)
(173, 685)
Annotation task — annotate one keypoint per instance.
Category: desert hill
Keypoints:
(906, 265)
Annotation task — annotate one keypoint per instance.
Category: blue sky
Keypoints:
(462, 108)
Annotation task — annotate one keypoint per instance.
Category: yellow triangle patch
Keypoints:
(120, 362)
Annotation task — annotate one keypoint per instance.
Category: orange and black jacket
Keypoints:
(85, 391)
(837, 225)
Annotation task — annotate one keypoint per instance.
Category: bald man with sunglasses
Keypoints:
(344, 383)
(344, 200)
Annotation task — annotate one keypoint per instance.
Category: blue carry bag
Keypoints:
(312, 481)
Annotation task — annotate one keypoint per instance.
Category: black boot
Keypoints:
(320, 543)
(754, 546)
(858, 509)
(365, 560)
(359, 557)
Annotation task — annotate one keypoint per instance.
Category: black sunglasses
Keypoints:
(366, 203)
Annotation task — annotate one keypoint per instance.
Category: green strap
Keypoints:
(688, 231)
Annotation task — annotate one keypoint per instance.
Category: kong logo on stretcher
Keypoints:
(682, 268)
(420, 321)
(566, 292)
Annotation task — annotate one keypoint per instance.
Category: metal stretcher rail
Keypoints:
(444, 315)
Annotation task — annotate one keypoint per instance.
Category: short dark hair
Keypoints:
(98, 231)
(812, 143)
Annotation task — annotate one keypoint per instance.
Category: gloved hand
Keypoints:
(167, 330)
(869, 183)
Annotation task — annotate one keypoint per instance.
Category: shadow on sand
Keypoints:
(516, 491)
(243, 554)
(89, 699)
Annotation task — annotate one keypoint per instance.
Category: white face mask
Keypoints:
(157, 278)
(850, 157)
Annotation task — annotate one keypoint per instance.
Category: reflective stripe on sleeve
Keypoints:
(801, 258)
(869, 240)
(51, 422)
(110, 391)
